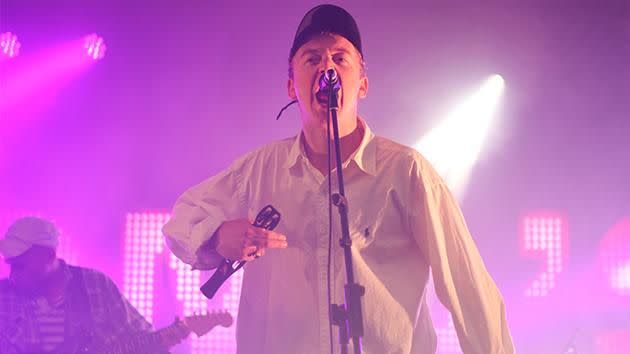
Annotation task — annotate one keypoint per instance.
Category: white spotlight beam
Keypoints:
(454, 146)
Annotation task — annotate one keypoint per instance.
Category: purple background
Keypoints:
(184, 89)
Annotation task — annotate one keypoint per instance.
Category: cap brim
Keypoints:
(11, 247)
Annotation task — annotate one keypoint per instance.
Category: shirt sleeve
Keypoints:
(199, 211)
(461, 280)
(127, 317)
(127, 322)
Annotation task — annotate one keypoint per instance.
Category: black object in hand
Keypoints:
(268, 218)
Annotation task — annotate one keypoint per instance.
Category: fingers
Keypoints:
(257, 240)
(265, 238)
(239, 240)
(260, 252)
(249, 253)
(261, 242)
(263, 233)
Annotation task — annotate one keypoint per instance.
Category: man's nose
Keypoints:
(326, 63)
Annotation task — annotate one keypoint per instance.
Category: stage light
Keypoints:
(188, 283)
(140, 251)
(95, 47)
(545, 236)
(454, 145)
(9, 45)
(614, 257)
(447, 339)
(143, 243)
(620, 279)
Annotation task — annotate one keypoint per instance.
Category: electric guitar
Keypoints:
(164, 338)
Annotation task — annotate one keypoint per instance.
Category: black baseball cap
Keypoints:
(326, 19)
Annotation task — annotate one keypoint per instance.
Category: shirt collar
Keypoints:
(66, 270)
(364, 157)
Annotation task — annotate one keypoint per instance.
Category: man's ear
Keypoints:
(291, 90)
(363, 89)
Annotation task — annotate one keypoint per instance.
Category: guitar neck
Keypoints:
(151, 342)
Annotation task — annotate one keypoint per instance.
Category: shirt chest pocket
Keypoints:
(378, 219)
(361, 232)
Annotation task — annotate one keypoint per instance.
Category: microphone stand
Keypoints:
(347, 316)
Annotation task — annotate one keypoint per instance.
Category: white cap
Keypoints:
(27, 232)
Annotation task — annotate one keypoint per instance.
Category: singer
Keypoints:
(403, 223)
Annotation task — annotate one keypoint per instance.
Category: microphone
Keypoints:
(268, 218)
(329, 78)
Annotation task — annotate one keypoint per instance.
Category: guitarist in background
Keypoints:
(48, 306)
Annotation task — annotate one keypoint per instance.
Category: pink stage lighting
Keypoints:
(613, 342)
(620, 279)
(447, 339)
(95, 46)
(144, 255)
(188, 283)
(143, 241)
(614, 257)
(9, 45)
(545, 236)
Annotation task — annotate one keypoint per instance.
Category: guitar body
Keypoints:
(156, 342)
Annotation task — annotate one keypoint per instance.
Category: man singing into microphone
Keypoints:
(403, 223)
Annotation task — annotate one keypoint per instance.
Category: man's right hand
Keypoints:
(239, 240)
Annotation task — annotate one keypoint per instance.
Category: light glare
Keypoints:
(95, 48)
(9, 44)
(454, 146)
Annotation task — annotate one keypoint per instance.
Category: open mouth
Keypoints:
(322, 96)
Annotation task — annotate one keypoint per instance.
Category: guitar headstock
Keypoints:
(201, 324)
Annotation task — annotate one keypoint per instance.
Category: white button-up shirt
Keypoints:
(403, 222)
